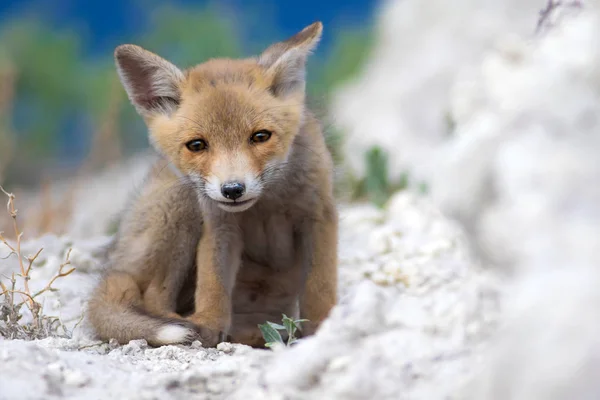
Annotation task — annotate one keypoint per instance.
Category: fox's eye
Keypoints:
(196, 145)
(260, 136)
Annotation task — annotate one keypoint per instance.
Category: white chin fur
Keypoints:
(235, 208)
(172, 334)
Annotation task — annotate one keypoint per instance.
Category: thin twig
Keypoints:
(31, 261)
(31, 298)
(552, 5)
(60, 274)
(9, 254)
(3, 240)
(10, 206)
(41, 325)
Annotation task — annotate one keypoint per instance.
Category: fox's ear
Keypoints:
(286, 60)
(151, 82)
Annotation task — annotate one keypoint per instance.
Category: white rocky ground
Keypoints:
(416, 311)
(414, 307)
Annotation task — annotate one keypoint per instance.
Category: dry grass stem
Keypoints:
(10, 310)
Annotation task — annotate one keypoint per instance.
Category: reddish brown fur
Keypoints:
(213, 92)
(277, 255)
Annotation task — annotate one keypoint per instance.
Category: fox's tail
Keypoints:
(115, 312)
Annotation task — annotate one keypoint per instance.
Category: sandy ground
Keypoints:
(414, 311)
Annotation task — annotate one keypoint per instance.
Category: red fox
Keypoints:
(236, 222)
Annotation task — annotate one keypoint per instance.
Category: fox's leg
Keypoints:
(245, 329)
(319, 256)
(218, 261)
(160, 298)
(169, 263)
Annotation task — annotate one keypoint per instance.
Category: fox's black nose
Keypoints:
(233, 190)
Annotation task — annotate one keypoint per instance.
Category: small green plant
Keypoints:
(376, 181)
(270, 331)
(376, 185)
(450, 123)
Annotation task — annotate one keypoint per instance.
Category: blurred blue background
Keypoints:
(61, 106)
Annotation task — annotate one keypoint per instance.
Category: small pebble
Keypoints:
(225, 347)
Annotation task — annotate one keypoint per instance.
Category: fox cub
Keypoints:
(236, 222)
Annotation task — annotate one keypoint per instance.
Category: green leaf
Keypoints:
(299, 322)
(276, 326)
(270, 334)
(289, 325)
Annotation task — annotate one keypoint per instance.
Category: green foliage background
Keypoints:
(62, 95)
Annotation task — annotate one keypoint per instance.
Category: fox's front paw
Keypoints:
(209, 337)
(249, 336)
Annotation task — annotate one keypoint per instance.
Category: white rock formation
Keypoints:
(521, 173)
(519, 167)
(549, 346)
(401, 100)
(523, 169)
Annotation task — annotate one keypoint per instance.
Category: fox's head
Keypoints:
(226, 124)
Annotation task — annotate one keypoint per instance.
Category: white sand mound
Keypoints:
(413, 310)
